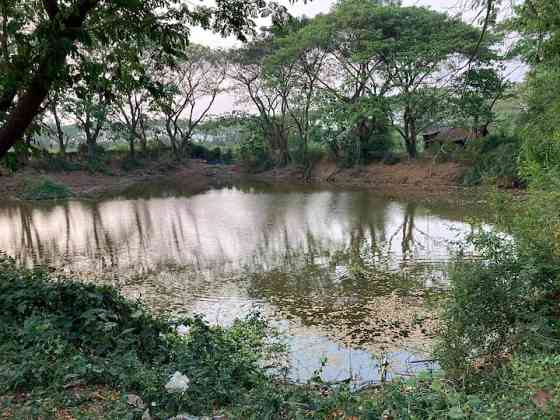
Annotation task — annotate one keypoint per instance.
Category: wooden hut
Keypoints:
(449, 135)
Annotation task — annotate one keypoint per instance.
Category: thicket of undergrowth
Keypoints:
(501, 321)
(493, 160)
(57, 333)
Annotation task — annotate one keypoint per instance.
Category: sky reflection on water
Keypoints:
(311, 259)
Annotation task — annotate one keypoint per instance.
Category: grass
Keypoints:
(45, 189)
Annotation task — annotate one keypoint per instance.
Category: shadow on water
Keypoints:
(344, 273)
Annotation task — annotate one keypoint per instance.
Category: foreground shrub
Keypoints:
(505, 302)
(493, 308)
(55, 333)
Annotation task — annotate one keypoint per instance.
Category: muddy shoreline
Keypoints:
(419, 180)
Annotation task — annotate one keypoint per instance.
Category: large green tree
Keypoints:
(300, 60)
(420, 53)
(38, 39)
(400, 60)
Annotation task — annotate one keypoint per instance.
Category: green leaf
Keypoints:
(456, 413)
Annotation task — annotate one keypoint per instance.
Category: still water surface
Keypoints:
(343, 273)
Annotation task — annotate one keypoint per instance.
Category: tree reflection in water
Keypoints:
(327, 259)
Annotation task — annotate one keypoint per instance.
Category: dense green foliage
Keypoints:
(101, 49)
(56, 335)
(329, 85)
(351, 77)
(55, 332)
(45, 189)
(506, 305)
(492, 160)
(342, 84)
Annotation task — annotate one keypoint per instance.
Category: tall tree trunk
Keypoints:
(91, 142)
(186, 147)
(411, 134)
(172, 139)
(143, 137)
(143, 144)
(23, 114)
(59, 133)
(10, 91)
(91, 149)
(49, 66)
(131, 141)
(61, 146)
(411, 147)
(280, 145)
(174, 147)
(413, 150)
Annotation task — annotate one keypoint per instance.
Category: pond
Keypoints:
(349, 276)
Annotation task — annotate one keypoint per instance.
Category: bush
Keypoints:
(254, 154)
(56, 334)
(45, 189)
(214, 155)
(315, 152)
(52, 163)
(494, 159)
(541, 134)
(10, 161)
(493, 308)
(51, 329)
(500, 330)
(505, 301)
(199, 151)
(224, 364)
(99, 165)
(228, 156)
(349, 150)
(4, 170)
(55, 331)
(527, 388)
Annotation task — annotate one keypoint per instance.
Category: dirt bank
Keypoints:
(419, 179)
(195, 176)
(416, 178)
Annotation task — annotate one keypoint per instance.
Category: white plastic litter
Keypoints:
(183, 330)
(178, 383)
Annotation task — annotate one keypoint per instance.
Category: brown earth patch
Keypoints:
(414, 174)
(418, 179)
(193, 175)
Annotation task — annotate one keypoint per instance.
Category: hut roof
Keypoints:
(449, 134)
